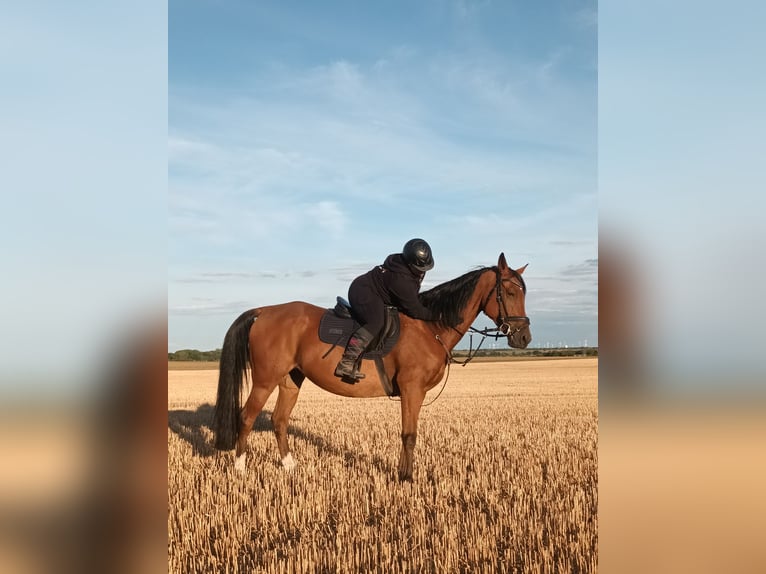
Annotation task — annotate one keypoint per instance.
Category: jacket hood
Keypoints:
(395, 262)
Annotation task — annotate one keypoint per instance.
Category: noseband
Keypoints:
(504, 320)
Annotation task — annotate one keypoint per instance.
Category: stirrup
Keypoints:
(351, 378)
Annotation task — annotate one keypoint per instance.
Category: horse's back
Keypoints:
(286, 337)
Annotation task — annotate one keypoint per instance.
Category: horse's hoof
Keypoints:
(239, 462)
(288, 463)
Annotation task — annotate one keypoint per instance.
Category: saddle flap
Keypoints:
(336, 329)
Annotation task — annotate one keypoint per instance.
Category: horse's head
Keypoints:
(506, 308)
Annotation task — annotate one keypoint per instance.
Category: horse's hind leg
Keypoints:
(258, 397)
(288, 395)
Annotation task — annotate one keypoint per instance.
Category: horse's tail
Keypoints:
(232, 370)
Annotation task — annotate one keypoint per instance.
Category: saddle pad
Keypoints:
(336, 331)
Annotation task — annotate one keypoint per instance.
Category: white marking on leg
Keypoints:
(239, 462)
(289, 462)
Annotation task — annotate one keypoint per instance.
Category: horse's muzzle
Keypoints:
(519, 337)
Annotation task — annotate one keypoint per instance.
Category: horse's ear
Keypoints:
(520, 270)
(501, 263)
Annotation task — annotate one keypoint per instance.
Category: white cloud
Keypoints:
(466, 9)
(586, 16)
(182, 149)
(328, 217)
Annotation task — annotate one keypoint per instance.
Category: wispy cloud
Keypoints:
(465, 8)
(356, 131)
(329, 216)
(586, 269)
(586, 16)
(569, 296)
(208, 308)
(229, 277)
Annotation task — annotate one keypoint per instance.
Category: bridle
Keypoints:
(504, 320)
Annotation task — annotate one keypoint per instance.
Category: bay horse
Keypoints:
(281, 343)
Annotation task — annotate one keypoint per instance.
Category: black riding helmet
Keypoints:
(417, 253)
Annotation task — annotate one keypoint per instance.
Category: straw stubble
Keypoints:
(505, 479)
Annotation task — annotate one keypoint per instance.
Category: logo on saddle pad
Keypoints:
(337, 325)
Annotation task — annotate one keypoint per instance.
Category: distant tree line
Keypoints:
(553, 352)
(195, 355)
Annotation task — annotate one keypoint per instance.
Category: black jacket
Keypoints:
(398, 284)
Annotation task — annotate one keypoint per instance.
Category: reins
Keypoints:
(502, 330)
(471, 354)
(487, 332)
(450, 360)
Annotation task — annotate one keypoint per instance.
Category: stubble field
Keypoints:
(505, 479)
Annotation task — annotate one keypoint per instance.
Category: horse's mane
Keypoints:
(449, 299)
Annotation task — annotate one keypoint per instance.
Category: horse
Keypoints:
(282, 346)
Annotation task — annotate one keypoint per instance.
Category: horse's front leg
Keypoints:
(412, 400)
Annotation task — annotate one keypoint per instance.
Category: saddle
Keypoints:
(338, 324)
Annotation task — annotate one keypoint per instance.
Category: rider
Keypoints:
(394, 283)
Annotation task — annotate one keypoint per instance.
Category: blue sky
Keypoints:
(309, 140)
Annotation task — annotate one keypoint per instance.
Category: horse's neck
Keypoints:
(452, 336)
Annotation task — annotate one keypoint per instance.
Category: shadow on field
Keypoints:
(188, 426)
(350, 458)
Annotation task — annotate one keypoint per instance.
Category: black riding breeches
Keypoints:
(366, 306)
